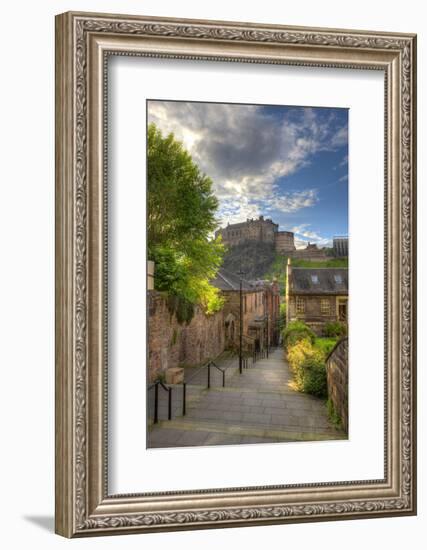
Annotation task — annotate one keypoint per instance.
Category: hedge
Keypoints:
(308, 367)
(335, 329)
(296, 331)
(305, 359)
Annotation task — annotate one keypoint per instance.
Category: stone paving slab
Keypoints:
(269, 434)
(258, 405)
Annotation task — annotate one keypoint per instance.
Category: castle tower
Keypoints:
(284, 242)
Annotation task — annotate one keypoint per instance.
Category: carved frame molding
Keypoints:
(83, 43)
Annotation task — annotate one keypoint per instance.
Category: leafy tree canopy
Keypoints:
(181, 221)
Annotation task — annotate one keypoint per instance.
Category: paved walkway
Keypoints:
(257, 406)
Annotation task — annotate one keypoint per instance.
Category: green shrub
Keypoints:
(313, 376)
(296, 331)
(174, 337)
(333, 416)
(308, 366)
(335, 329)
(161, 377)
(325, 345)
(181, 307)
(298, 352)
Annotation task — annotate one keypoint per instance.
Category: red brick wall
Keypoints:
(171, 344)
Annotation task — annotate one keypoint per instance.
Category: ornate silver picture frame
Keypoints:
(84, 505)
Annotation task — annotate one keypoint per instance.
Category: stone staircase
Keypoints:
(257, 406)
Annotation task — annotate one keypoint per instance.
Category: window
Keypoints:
(338, 279)
(300, 305)
(315, 279)
(325, 307)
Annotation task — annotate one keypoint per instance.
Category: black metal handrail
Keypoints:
(156, 399)
(259, 354)
(208, 365)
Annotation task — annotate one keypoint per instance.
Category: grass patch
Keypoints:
(333, 262)
(333, 416)
(325, 345)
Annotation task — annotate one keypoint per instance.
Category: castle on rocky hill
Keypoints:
(266, 231)
(260, 230)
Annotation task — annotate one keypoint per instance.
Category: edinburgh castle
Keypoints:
(260, 230)
(264, 230)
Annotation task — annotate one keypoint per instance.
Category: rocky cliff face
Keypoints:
(255, 259)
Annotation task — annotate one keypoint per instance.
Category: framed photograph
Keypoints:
(235, 274)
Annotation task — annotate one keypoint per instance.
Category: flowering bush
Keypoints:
(308, 367)
(296, 331)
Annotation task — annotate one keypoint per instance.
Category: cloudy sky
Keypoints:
(287, 163)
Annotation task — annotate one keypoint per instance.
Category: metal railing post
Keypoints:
(170, 404)
(223, 378)
(209, 376)
(184, 397)
(156, 403)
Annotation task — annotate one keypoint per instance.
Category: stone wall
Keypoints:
(171, 344)
(284, 242)
(310, 253)
(312, 315)
(337, 378)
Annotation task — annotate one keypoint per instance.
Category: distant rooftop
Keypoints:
(321, 280)
(225, 280)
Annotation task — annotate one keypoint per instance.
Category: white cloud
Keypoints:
(303, 236)
(246, 151)
(340, 138)
(291, 202)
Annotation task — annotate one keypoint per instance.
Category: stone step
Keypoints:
(263, 431)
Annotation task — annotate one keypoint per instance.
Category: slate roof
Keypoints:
(225, 280)
(322, 280)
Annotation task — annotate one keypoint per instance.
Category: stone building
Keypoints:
(254, 321)
(340, 246)
(316, 296)
(311, 253)
(271, 309)
(260, 230)
(173, 344)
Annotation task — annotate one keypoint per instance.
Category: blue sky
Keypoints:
(288, 163)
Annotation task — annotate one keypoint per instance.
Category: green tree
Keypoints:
(181, 221)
